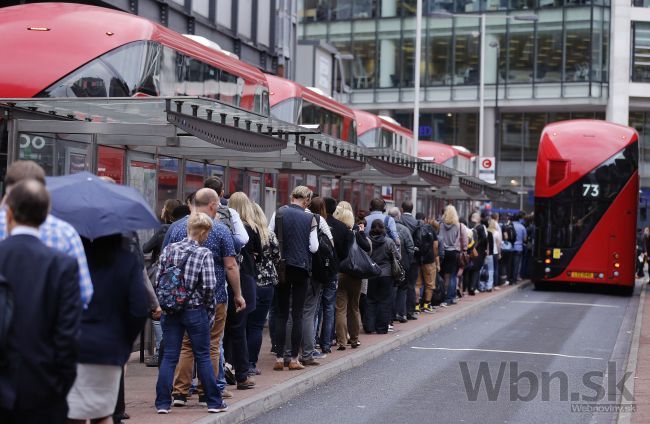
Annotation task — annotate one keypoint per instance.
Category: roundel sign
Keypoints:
(487, 168)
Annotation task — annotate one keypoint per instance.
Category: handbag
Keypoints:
(396, 268)
(358, 263)
(463, 259)
(281, 267)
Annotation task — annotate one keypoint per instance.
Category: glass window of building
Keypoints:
(641, 52)
(264, 17)
(202, 7)
(549, 50)
(363, 9)
(520, 49)
(439, 53)
(244, 18)
(390, 8)
(389, 53)
(577, 44)
(466, 51)
(364, 64)
(224, 13)
(495, 50)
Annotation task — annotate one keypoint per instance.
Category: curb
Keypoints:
(271, 398)
(625, 417)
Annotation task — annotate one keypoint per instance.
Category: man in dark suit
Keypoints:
(42, 342)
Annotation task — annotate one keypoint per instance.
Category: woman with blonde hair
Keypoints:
(251, 254)
(267, 279)
(348, 292)
(452, 240)
(493, 228)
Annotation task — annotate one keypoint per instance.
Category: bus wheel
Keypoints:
(541, 286)
(626, 290)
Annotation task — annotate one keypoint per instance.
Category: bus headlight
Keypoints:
(616, 274)
(547, 270)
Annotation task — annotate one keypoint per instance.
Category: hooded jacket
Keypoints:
(382, 248)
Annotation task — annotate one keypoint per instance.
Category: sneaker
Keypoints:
(401, 319)
(444, 304)
(417, 308)
(355, 345)
(391, 328)
(254, 371)
(319, 355)
(222, 408)
(163, 411)
(152, 361)
(340, 347)
(427, 309)
(411, 317)
(226, 394)
(326, 350)
(180, 400)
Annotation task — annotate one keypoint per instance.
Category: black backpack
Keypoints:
(6, 315)
(423, 240)
(509, 233)
(323, 264)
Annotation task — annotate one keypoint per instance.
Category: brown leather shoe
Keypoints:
(278, 366)
(249, 383)
(226, 394)
(295, 365)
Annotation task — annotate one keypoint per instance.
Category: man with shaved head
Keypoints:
(221, 244)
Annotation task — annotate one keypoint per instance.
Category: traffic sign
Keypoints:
(487, 169)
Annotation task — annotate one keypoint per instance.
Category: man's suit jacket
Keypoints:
(45, 326)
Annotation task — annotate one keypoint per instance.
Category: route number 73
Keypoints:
(590, 190)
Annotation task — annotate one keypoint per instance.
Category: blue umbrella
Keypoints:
(97, 208)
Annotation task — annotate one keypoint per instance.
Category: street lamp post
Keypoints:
(416, 89)
(483, 17)
(497, 121)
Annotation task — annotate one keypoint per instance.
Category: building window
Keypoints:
(224, 13)
(641, 52)
(549, 52)
(202, 7)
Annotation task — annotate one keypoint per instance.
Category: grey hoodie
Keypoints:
(450, 239)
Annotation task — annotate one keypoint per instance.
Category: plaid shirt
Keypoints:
(220, 242)
(61, 236)
(199, 264)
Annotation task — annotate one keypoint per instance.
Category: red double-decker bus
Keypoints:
(586, 202)
(292, 102)
(76, 50)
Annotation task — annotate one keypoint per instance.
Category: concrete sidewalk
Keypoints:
(639, 364)
(274, 387)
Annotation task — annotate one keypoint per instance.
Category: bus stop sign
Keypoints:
(487, 169)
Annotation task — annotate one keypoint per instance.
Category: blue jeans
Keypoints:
(221, 376)
(515, 266)
(489, 262)
(256, 321)
(328, 313)
(157, 332)
(197, 325)
(450, 272)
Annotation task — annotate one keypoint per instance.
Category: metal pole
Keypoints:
(481, 92)
(497, 125)
(416, 101)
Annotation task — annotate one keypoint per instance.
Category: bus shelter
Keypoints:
(165, 147)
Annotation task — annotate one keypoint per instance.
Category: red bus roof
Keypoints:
(440, 152)
(574, 148)
(281, 89)
(66, 36)
(367, 121)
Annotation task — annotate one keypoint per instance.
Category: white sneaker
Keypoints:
(222, 408)
(443, 304)
(163, 411)
(391, 328)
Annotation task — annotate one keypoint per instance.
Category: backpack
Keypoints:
(226, 218)
(6, 316)
(323, 265)
(439, 291)
(509, 232)
(423, 240)
(170, 290)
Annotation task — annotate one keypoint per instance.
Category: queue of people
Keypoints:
(219, 272)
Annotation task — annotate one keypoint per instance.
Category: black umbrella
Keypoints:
(97, 208)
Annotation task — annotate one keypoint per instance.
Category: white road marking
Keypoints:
(600, 305)
(505, 351)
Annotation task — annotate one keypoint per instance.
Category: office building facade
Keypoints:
(573, 59)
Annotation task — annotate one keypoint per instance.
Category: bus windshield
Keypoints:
(567, 219)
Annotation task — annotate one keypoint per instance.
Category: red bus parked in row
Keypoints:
(294, 103)
(75, 50)
(381, 131)
(586, 202)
